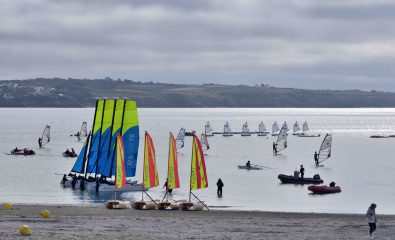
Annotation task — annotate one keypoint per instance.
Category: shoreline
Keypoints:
(97, 222)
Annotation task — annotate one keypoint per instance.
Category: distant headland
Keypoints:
(56, 92)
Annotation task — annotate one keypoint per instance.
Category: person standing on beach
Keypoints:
(301, 171)
(220, 184)
(372, 220)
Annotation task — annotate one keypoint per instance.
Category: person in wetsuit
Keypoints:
(220, 185)
(40, 142)
(316, 158)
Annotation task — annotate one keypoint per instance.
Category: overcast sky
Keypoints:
(301, 43)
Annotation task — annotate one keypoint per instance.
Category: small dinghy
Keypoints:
(69, 154)
(298, 180)
(324, 189)
(251, 167)
(23, 152)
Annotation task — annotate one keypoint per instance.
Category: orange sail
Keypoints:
(173, 181)
(150, 175)
(198, 166)
(120, 176)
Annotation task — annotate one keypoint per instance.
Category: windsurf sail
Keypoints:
(305, 127)
(173, 181)
(150, 174)
(296, 127)
(227, 128)
(204, 142)
(245, 128)
(198, 166)
(281, 142)
(207, 128)
(180, 138)
(326, 148)
(120, 175)
(275, 127)
(46, 136)
(79, 165)
(262, 127)
(83, 133)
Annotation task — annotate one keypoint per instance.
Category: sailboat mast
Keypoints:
(190, 177)
(101, 126)
(85, 154)
(109, 142)
(120, 133)
(90, 142)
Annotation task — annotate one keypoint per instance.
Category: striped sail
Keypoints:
(110, 165)
(198, 166)
(150, 174)
(96, 134)
(130, 134)
(120, 175)
(79, 164)
(173, 181)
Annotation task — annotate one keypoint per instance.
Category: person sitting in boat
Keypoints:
(248, 164)
(316, 158)
(301, 170)
(25, 150)
(15, 150)
(40, 142)
(67, 152)
(332, 184)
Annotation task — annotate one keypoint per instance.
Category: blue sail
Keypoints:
(79, 163)
(94, 144)
(131, 147)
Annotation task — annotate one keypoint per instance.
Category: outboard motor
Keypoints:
(317, 176)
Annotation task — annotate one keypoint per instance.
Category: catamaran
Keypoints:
(180, 138)
(227, 131)
(281, 142)
(96, 162)
(208, 130)
(262, 129)
(325, 150)
(198, 175)
(275, 129)
(245, 131)
(204, 141)
(45, 137)
(296, 128)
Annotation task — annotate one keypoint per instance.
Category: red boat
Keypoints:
(324, 189)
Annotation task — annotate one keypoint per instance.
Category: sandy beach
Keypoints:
(74, 222)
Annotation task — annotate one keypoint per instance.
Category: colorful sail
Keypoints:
(180, 138)
(173, 181)
(120, 176)
(198, 166)
(96, 134)
(79, 164)
(131, 137)
(150, 174)
(325, 149)
(110, 165)
(46, 136)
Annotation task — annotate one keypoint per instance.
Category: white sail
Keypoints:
(46, 136)
(262, 127)
(281, 142)
(296, 126)
(325, 149)
(305, 127)
(227, 128)
(180, 138)
(207, 128)
(84, 130)
(204, 142)
(245, 128)
(275, 127)
(285, 125)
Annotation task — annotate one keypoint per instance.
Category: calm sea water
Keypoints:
(363, 167)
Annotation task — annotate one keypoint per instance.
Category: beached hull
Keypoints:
(324, 189)
(291, 179)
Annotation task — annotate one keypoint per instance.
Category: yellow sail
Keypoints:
(150, 175)
(198, 166)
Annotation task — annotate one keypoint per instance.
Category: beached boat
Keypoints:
(45, 137)
(97, 156)
(180, 138)
(275, 129)
(325, 151)
(298, 180)
(262, 130)
(324, 189)
(245, 130)
(227, 131)
(281, 142)
(208, 130)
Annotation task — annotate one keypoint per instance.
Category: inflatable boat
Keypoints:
(298, 180)
(324, 189)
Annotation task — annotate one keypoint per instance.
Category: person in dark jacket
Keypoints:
(220, 185)
(316, 159)
(372, 220)
(301, 171)
(97, 184)
(82, 184)
(74, 181)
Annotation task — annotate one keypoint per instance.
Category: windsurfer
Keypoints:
(316, 158)
(220, 184)
(40, 142)
(274, 148)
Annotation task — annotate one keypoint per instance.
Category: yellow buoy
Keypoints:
(45, 214)
(25, 230)
(8, 206)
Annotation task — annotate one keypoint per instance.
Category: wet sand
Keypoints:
(74, 222)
